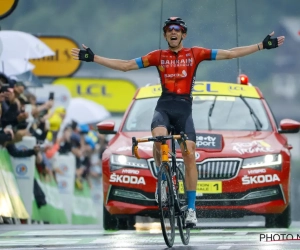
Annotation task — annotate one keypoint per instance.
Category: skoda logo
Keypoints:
(21, 169)
(197, 155)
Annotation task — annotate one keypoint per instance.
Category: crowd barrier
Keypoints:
(11, 203)
(65, 203)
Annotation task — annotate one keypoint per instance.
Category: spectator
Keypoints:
(55, 120)
(17, 153)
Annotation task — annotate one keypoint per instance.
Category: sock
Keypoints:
(191, 197)
(163, 176)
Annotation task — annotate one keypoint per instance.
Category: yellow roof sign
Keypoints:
(206, 88)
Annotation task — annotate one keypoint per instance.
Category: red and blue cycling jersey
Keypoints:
(177, 71)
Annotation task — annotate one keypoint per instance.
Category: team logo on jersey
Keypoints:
(177, 63)
(182, 75)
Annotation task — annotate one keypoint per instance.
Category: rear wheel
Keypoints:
(283, 220)
(182, 197)
(166, 205)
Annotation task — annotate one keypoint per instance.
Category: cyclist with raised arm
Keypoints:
(177, 69)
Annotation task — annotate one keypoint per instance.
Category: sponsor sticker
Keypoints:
(127, 179)
(257, 146)
(208, 141)
(130, 171)
(21, 169)
(247, 180)
(257, 171)
(205, 187)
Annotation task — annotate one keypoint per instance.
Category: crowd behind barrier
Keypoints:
(49, 172)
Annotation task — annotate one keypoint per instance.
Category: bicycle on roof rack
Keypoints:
(172, 197)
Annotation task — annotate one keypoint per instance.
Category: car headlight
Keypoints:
(272, 161)
(122, 161)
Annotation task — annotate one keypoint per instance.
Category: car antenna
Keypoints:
(160, 24)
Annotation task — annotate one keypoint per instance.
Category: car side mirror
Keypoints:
(106, 127)
(289, 126)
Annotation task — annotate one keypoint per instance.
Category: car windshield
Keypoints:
(228, 113)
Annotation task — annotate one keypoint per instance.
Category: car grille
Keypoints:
(210, 169)
(153, 169)
(213, 169)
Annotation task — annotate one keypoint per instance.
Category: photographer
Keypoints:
(6, 134)
(12, 113)
(40, 126)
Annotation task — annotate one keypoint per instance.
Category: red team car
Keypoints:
(243, 157)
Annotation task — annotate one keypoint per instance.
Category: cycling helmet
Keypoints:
(175, 20)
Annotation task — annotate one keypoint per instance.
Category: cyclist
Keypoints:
(177, 68)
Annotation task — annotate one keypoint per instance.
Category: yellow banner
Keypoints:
(114, 94)
(61, 64)
(206, 88)
(7, 7)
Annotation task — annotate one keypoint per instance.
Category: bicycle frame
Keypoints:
(165, 159)
(174, 177)
(173, 173)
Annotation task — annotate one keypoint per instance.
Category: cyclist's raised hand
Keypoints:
(271, 43)
(85, 54)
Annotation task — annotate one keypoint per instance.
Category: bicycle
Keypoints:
(175, 204)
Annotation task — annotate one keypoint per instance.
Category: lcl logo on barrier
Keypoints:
(21, 169)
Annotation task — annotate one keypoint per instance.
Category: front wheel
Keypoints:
(283, 220)
(182, 199)
(166, 204)
(110, 222)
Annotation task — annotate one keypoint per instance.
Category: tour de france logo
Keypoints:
(21, 169)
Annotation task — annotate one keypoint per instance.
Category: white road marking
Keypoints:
(254, 224)
(211, 230)
(241, 233)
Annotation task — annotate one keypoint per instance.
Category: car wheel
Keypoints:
(126, 223)
(110, 222)
(283, 220)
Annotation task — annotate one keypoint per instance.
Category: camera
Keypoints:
(4, 87)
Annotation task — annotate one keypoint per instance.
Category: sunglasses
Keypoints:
(174, 27)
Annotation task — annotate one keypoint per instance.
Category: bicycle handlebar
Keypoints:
(136, 141)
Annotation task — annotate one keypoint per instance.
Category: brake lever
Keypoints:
(134, 144)
(184, 138)
(134, 149)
